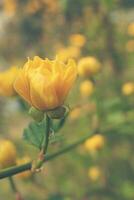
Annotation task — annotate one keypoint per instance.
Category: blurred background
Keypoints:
(103, 103)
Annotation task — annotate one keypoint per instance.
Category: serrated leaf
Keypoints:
(34, 133)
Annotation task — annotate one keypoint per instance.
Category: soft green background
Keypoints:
(104, 24)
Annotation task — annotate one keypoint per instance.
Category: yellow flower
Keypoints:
(51, 6)
(33, 6)
(75, 113)
(45, 84)
(77, 40)
(88, 66)
(6, 81)
(94, 173)
(22, 161)
(7, 154)
(10, 6)
(94, 143)
(128, 88)
(69, 52)
(86, 88)
(130, 46)
(131, 29)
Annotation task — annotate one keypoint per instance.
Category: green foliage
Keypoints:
(35, 133)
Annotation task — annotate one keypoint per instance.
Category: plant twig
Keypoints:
(14, 188)
(46, 137)
(36, 166)
(17, 169)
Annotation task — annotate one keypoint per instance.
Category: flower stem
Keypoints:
(17, 169)
(46, 137)
(14, 188)
(36, 166)
(12, 184)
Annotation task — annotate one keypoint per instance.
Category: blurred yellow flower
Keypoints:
(10, 6)
(94, 173)
(75, 113)
(22, 161)
(128, 88)
(131, 29)
(7, 154)
(6, 81)
(77, 40)
(51, 6)
(86, 88)
(33, 6)
(130, 46)
(45, 84)
(88, 66)
(69, 52)
(94, 143)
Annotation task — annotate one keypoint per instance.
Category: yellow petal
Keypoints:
(21, 86)
(36, 89)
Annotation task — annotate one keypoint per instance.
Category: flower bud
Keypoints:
(86, 88)
(66, 53)
(95, 143)
(128, 88)
(77, 40)
(94, 173)
(131, 29)
(57, 113)
(36, 114)
(88, 66)
(7, 154)
(7, 79)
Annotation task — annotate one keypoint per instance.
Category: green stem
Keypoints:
(46, 137)
(17, 169)
(44, 147)
(12, 184)
(14, 188)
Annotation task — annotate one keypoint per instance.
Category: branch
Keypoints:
(14, 189)
(18, 169)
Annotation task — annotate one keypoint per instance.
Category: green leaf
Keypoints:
(34, 133)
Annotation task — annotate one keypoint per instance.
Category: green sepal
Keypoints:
(36, 114)
(57, 113)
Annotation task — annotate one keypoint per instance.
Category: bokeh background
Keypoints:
(103, 29)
